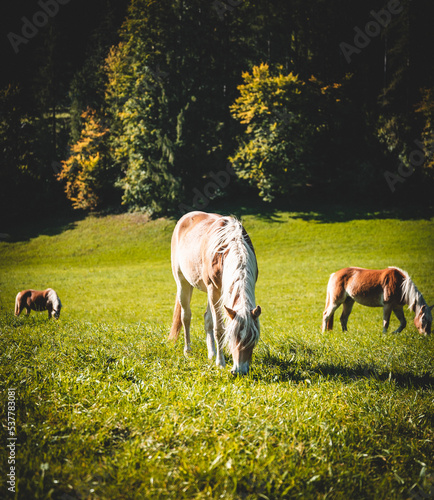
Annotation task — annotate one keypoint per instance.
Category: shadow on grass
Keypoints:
(42, 226)
(403, 379)
(273, 368)
(35, 225)
(335, 214)
(320, 211)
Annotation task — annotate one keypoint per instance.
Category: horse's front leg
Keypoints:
(387, 311)
(218, 326)
(209, 329)
(399, 313)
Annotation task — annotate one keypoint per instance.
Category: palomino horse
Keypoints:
(38, 300)
(214, 254)
(389, 288)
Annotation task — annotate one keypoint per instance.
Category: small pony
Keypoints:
(215, 255)
(38, 300)
(389, 288)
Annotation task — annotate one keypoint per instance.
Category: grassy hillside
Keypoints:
(106, 409)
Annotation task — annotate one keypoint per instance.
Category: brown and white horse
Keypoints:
(38, 300)
(389, 288)
(215, 254)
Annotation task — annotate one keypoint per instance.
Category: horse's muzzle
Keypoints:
(241, 370)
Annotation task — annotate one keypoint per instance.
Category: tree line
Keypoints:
(160, 106)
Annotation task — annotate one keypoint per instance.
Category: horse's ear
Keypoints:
(431, 307)
(256, 312)
(231, 312)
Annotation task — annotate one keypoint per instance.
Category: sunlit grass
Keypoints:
(107, 409)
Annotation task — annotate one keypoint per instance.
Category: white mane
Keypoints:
(54, 299)
(238, 280)
(411, 295)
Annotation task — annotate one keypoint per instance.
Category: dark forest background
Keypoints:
(162, 106)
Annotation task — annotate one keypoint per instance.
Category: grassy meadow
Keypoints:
(105, 408)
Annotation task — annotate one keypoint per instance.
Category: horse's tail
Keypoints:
(329, 290)
(17, 304)
(328, 320)
(176, 321)
(329, 325)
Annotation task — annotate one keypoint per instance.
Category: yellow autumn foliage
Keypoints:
(80, 170)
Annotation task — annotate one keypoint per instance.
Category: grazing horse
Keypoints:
(389, 288)
(215, 254)
(38, 300)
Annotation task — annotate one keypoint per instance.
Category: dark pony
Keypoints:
(38, 300)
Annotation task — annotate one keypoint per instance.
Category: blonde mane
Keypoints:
(411, 295)
(53, 299)
(238, 280)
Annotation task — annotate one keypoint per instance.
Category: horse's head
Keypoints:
(423, 320)
(56, 305)
(245, 335)
(56, 310)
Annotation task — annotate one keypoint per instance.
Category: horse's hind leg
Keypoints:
(182, 313)
(209, 329)
(185, 299)
(399, 313)
(333, 301)
(328, 316)
(346, 311)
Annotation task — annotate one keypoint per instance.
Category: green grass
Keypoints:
(105, 408)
